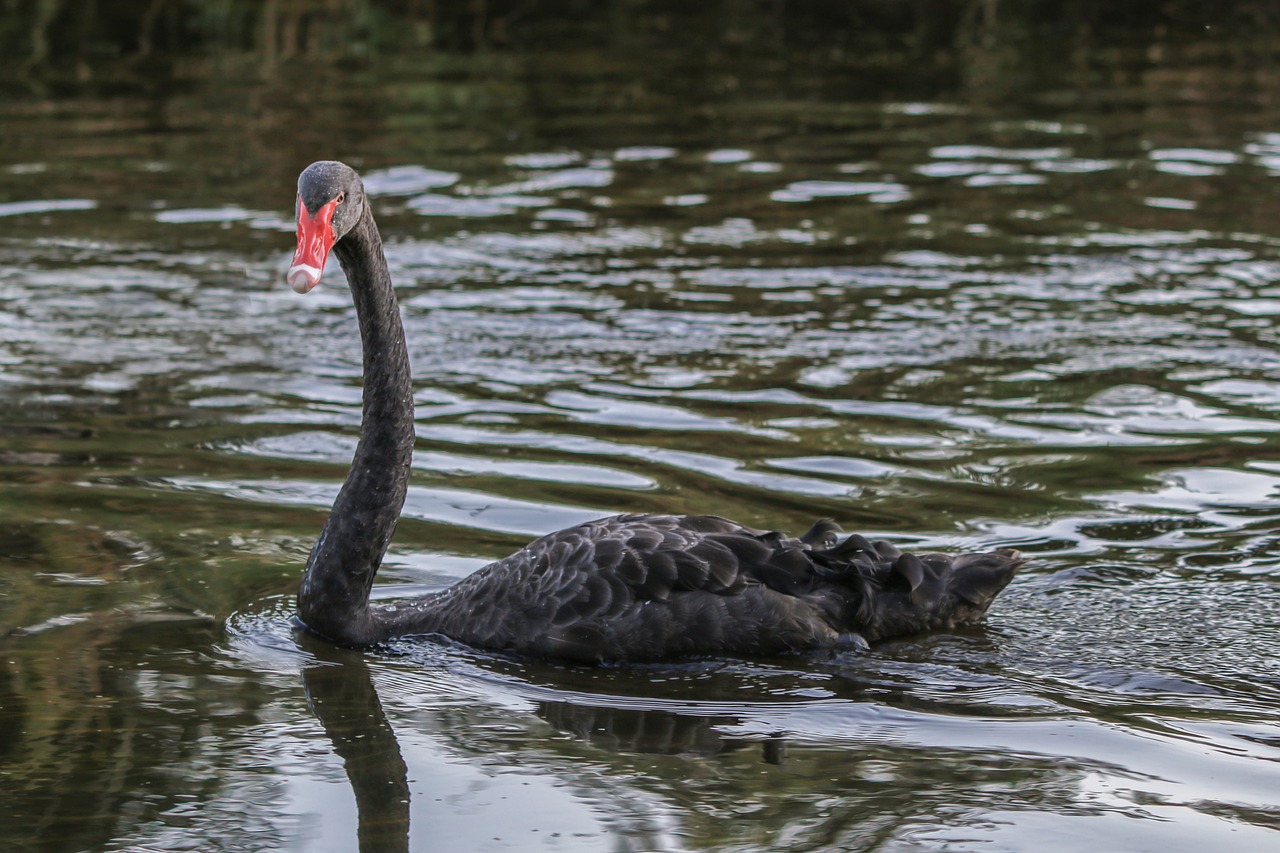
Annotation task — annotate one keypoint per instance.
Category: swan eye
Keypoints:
(341, 198)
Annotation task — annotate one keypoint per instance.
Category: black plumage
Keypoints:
(644, 587)
(628, 587)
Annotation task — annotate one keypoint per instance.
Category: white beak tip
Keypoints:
(302, 277)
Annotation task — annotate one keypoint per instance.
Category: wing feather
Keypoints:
(642, 587)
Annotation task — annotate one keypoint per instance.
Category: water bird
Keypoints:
(637, 587)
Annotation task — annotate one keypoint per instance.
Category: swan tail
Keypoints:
(895, 592)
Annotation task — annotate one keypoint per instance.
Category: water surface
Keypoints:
(775, 279)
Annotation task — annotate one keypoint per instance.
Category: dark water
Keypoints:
(955, 278)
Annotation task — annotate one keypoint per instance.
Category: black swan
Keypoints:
(626, 588)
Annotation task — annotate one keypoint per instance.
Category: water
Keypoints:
(952, 292)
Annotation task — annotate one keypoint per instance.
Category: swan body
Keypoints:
(624, 588)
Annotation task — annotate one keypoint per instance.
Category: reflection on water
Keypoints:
(915, 275)
(342, 696)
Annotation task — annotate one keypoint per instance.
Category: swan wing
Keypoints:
(646, 587)
(628, 586)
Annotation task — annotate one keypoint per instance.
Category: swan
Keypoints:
(627, 588)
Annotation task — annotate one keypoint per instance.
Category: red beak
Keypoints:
(315, 239)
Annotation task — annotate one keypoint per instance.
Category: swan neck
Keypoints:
(333, 599)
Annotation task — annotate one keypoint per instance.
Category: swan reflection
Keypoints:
(342, 696)
(341, 692)
(639, 730)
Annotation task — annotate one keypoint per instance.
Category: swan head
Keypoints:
(330, 202)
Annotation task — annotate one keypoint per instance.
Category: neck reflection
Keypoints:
(341, 694)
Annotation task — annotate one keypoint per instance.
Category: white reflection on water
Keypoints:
(339, 450)
(458, 507)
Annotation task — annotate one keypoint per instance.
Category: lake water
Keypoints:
(959, 280)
